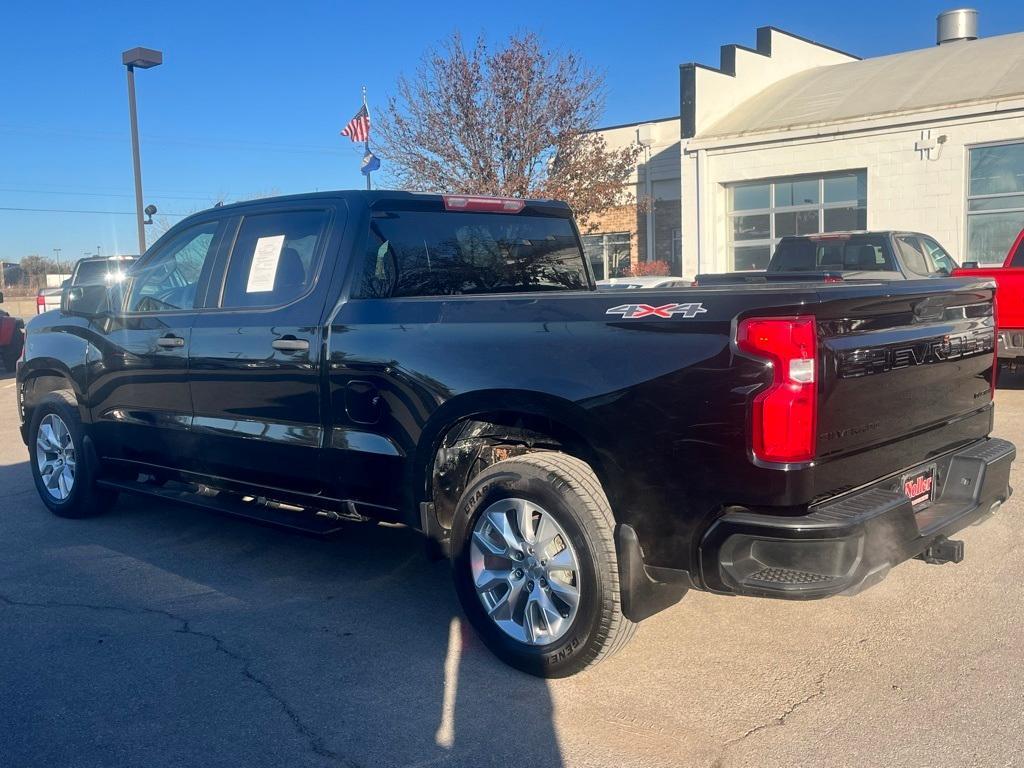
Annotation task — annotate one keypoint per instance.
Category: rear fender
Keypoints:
(473, 431)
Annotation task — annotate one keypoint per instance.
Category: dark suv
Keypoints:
(583, 457)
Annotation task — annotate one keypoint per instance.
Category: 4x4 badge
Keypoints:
(635, 311)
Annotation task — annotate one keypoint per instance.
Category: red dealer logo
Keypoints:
(636, 311)
(919, 486)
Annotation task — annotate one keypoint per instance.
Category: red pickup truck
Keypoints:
(1009, 300)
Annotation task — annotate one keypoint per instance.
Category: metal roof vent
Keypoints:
(958, 24)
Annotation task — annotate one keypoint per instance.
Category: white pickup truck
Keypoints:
(94, 270)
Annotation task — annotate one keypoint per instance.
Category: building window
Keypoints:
(608, 254)
(668, 219)
(763, 212)
(995, 201)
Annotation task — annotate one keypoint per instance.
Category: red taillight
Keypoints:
(476, 203)
(40, 304)
(834, 279)
(784, 415)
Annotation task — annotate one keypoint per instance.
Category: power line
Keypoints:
(97, 194)
(178, 141)
(73, 210)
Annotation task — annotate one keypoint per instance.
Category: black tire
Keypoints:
(85, 499)
(570, 492)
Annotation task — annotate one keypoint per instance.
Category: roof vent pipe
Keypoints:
(959, 24)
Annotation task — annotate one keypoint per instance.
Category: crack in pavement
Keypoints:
(316, 742)
(774, 722)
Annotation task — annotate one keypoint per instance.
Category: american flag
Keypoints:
(358, 128)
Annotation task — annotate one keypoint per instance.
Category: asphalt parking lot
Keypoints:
(161, 635)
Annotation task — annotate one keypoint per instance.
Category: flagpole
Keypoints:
(366, 144)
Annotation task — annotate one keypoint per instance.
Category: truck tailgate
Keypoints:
(902, 364)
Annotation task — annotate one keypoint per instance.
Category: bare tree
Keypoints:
(517, 121)
(162, 224)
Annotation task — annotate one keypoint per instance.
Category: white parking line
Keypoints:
(10, 385)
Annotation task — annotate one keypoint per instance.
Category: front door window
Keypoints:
(168, 281)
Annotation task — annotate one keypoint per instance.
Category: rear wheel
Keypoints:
(535, 565)
(64, 477)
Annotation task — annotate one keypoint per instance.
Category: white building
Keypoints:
(794, 137)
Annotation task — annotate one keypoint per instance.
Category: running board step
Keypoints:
(260, 511)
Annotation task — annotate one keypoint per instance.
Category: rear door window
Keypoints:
(275, 258)
(424, 253)
(941, 261)
(923, 256)
(913, 256)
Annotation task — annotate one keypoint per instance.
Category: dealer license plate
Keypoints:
(919, 487)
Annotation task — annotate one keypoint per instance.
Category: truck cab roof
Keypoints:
(378, 197)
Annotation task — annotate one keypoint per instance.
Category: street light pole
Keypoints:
(136, 161)
(143, 58)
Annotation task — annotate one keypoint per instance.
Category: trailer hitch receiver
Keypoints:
(943, 550)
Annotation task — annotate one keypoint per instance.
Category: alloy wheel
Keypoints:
(55, 456)
(525, 571)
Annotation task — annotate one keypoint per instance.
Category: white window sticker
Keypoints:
(263, 269)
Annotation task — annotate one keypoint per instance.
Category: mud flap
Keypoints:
(642, 596)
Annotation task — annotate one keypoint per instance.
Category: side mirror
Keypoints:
(84, 300)
(970, 265)
(1, 297)
(65, 283)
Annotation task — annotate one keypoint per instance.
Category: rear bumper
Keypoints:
(850, 542)
(1011, 343)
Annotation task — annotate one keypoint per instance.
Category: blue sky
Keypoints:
(252, 95)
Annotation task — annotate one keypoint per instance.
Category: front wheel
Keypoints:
(535, 565)
(65, 479)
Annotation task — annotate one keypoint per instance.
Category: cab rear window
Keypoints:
(425, 253)
(842, 254)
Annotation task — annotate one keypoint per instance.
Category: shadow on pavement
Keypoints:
(160, 634)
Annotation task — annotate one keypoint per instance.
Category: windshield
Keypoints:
(423, 253)
(101, 272)
(852, 253)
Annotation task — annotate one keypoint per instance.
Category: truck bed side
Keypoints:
(661, 397)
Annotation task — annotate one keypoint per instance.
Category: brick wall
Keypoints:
(623, 218)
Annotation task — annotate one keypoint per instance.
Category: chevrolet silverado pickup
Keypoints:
(835, 256)
(1010, 300)
(584, 458)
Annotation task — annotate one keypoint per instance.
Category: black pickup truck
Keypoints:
(584, 458)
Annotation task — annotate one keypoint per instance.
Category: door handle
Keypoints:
(170, 341)
(290, 344)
